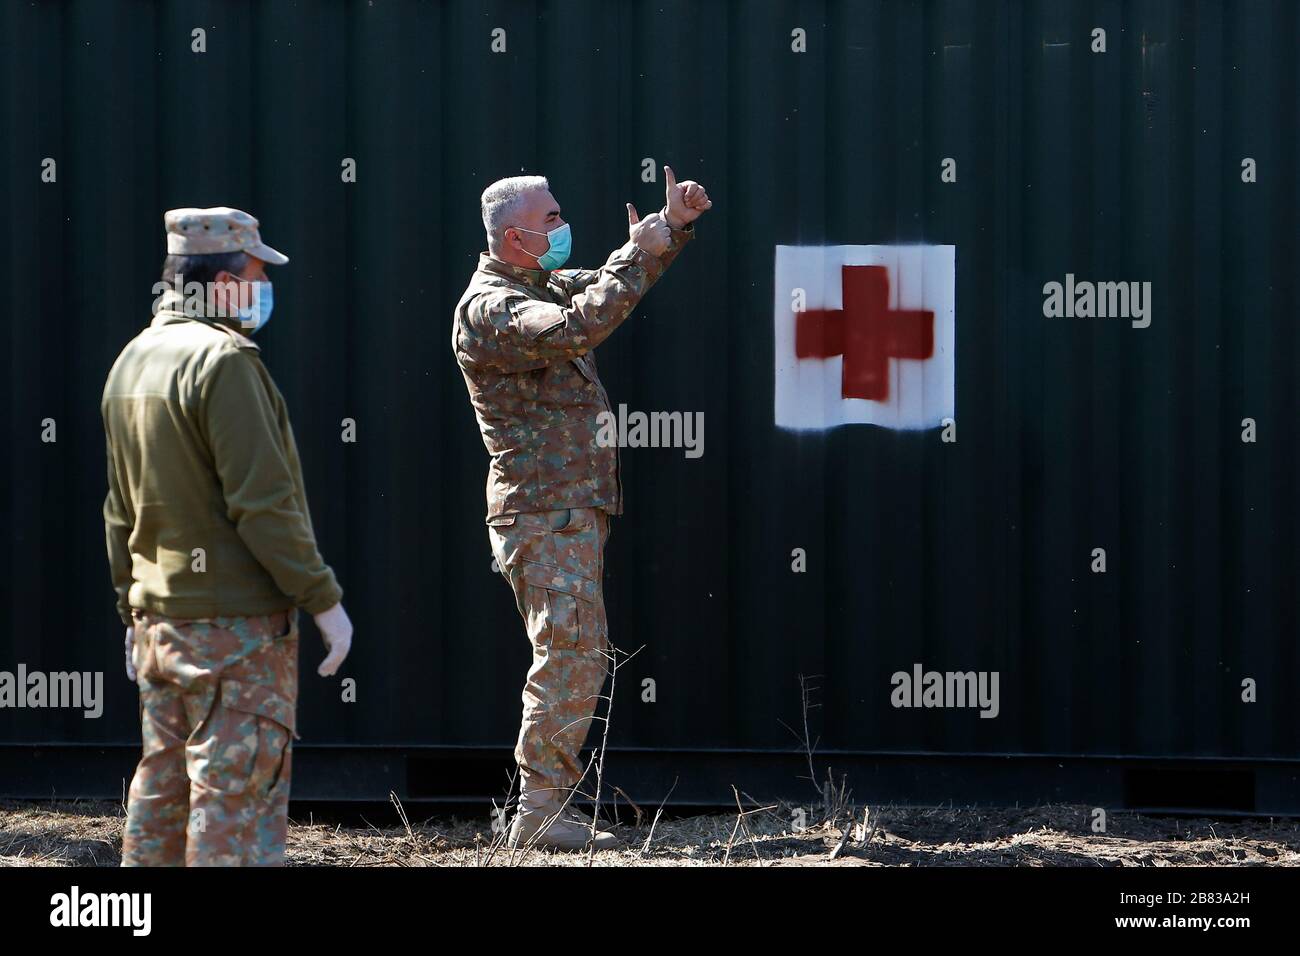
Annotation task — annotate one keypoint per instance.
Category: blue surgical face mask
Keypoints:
(561, 243)
(258, 314)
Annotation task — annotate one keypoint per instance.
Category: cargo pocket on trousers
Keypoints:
(570, 605)
(252, 738)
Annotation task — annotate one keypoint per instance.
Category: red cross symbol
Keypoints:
(866, 332)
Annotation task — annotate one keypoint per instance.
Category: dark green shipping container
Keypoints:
(1073, 434)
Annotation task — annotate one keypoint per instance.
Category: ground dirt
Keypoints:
(90, 834)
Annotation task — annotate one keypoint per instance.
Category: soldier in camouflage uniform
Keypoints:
(212, 554)
(524, 335)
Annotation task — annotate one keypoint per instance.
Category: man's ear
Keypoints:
(220, 287)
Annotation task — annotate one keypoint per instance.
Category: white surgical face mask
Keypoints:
(256, 315)
(557, 253)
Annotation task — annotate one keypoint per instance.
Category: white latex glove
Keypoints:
(130, 647)
(336, 629)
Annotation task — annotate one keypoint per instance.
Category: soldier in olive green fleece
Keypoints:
(201, 456)
(212, 553)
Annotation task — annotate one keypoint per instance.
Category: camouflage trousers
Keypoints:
(555, 562)
(217, 701)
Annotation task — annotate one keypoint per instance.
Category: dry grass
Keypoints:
(90, 834)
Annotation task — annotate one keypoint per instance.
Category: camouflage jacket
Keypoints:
(524, 340)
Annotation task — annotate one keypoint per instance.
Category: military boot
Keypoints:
(573, 813)
(564, 833)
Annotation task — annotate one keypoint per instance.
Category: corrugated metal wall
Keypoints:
(1072, 433)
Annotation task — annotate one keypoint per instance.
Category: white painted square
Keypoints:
(922, 392)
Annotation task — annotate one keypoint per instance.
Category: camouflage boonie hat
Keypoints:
(201, 232)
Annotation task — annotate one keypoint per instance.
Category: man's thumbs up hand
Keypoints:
(686, 200)
(650, 233)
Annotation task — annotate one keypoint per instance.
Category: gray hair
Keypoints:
(501, 202)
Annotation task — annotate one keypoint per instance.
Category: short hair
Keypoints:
(204, 268)
(501, 202)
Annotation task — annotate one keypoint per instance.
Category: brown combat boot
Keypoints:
(570, 831)
(573, 813)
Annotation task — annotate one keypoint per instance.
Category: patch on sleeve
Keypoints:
(536, 319)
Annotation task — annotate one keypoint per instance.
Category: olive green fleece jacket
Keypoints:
(206, 515)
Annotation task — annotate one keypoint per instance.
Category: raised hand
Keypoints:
(650, 233)
(687, 200)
